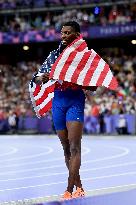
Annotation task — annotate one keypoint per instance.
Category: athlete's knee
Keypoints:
(75, 149)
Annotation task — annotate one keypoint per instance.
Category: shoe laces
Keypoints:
(78, 193)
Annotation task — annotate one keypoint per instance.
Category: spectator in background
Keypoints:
(101, 123)
(122, 124)
(13, 122)
(108, 122)
(95, 112)
(3, 122)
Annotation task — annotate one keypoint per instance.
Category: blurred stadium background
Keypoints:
(30, 29)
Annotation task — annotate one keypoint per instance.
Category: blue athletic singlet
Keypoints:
(67, 105)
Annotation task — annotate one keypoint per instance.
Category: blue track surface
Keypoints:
(33, 167)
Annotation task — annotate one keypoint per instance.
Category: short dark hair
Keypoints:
(73, 24)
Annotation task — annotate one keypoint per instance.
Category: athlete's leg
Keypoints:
(69, 125)
(75, 129)
(59, 119)
(63, 136)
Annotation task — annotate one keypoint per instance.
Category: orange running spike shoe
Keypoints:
(78, 193)
(66, 196)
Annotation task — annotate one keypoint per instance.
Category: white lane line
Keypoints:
(87, 150)
(37, 168)
(49, 197)
(112, 187)
(50, 150)
(110, 176)
(27, 137)
(125, 152)
(63, 182)
(13, 151)
(66, 172)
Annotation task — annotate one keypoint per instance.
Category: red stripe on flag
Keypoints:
(37, 90)
(82, 47)
(46, 108)
(103, 75)
(80, 66)
(113, 84)
(66, 65)
(48, 90)
(91, 70)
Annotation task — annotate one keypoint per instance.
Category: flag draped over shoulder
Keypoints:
(84, 67)
(74, 64)
(42, 95)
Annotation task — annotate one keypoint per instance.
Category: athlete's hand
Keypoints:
(43, 78)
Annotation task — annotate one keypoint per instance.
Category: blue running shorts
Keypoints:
(67, 105)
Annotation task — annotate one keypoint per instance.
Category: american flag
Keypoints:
(42, 95)
(75, 64)
(84, 67)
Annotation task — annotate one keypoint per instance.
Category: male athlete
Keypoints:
(68, 116)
